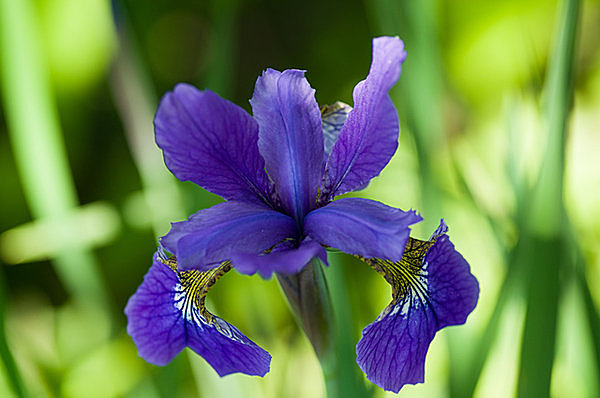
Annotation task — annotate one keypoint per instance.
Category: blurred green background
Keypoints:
(499, 105)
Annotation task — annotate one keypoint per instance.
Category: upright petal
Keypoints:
(290, 137)
(369, 137)
(212, 142)
(361, 227)
(287, 261)
(167, 313)
(432, 287)
(214, 235)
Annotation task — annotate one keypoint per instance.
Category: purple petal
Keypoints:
(453, 289)
(442, 292)
(212, 142)
(285, 261)
(392, 349)
(290, 137)
(361, 227)
(369, 137)
(163, 319)
(213, 235)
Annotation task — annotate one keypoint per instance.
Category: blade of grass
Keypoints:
(544, 258)
(547, 229)
(547, 198)
(415, 22)
(590, 308)
(12, 371)
(136, 102)
(464, 379)
(37, 142)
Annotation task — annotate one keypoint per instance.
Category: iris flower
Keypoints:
(279, 171)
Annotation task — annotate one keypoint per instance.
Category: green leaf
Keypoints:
(544, 258)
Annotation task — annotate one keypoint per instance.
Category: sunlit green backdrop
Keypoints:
(499, 104)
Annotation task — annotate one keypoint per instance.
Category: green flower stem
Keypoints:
(312, 300)
(309, 298)
(351, 379)
(308, 295)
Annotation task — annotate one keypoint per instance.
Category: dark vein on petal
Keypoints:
(190, 297)
(407, 277)
(226, 160)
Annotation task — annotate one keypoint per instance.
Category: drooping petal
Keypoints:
(392, 350)
(214, 235)
(432, 287)
(361, 227)
(369, 137)
(212, 142)
(290, 137)
(286, 261)
(453, 289)
(167, 313)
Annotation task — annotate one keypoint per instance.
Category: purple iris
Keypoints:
(279, 171)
